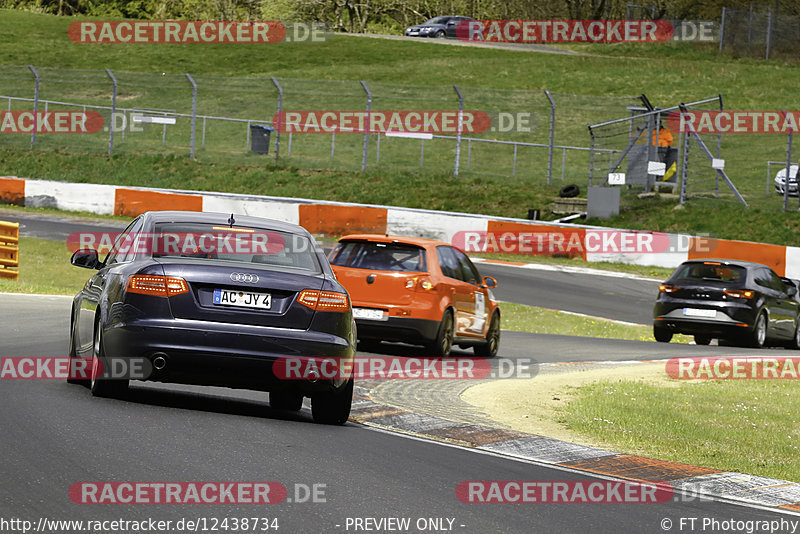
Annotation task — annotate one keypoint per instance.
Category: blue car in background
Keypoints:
(439, 27)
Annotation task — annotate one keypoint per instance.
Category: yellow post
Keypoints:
(9, 250)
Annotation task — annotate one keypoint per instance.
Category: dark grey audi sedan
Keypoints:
(742, 302)
(217, 300)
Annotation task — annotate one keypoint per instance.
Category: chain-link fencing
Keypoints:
(759, 34)
(538, 137)
(651, 148)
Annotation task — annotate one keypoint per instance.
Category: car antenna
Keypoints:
(231, 220)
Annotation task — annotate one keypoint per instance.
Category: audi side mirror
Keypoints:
(86, 258)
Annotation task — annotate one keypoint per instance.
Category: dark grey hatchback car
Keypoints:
(742, 302)
(439, 27)
(208, 299)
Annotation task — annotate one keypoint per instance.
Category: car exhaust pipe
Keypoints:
(313, 376)
(159, 361)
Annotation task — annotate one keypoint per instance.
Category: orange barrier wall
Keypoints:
(132, 202)
(771, 255)
(12, 191)
(340, 220)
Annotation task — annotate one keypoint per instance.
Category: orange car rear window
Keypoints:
(380, 256)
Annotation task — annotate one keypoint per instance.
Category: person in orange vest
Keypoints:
(663, 140)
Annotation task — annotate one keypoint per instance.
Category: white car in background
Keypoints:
(780, 180)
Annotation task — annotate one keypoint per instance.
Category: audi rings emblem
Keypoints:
(244, 277)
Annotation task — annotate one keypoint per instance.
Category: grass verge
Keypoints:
(748, 426)
(521, 318)
(45, 268)
(658, 273)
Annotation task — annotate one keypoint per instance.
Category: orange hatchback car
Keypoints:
(417, 291)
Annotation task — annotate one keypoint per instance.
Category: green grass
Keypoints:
(521, 318)
(45, 268)
(659, 273)
(325, 75)
(29, 210)
(747, 426)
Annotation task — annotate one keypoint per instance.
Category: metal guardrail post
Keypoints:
(552, 136)
(366, 130)
(719, 151)
(460, 126)
(9, 250)
(684, 165)
(277, 126)
(35, 103)
(721, 30)
(113, 123)
(788, 169)
(194, 112)
(591, 156)
(769, 31)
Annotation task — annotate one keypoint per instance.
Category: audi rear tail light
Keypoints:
(324, 300)
(158, 286)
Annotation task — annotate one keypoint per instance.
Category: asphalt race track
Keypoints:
(57, 434)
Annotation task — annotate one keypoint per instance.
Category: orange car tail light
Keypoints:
(419, 284)
(739, 293)
(667, 288)
(158, 286)
(324, 300)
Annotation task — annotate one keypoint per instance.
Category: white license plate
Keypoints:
(242, 299)
(369, 313)
(695, 312)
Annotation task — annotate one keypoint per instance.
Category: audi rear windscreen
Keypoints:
(259, 246)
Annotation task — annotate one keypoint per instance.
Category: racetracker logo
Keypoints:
(729, 368)
(194, 32)
(50, 122)
(177, 493)
(218, 242)
(399, 368)
(577, 242)
(733, 122)
(47, 368)
(568, 492)
(421, 122)
(584, 31)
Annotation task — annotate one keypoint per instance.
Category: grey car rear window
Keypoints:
(259, 246)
